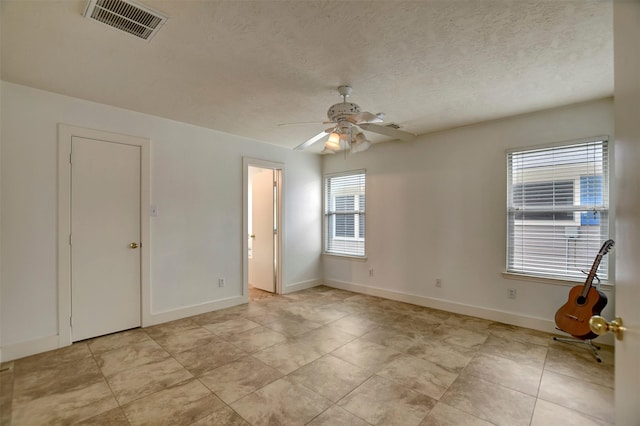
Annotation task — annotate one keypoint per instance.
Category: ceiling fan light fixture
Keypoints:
(333, 143)
(361, 143)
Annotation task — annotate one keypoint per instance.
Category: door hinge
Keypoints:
(70, 239)
(70, 321)
(70, 158)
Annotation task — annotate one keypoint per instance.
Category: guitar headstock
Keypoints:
(606, 247)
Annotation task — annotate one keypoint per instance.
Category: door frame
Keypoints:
(280, 248)
(65, 134)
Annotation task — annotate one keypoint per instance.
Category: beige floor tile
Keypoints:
(459, 336)
(133, 355)
(216, 317)
(291, 327)
(580, 364)
(171, 327)
(114, 417)
(322, 315)
(327, 314)
(490, 402)
(400, 307)
(336, 416)
(383, 361)
(380, 401)
(207, 357)
(434, 315)
(547, 413)
(366, 355)
(49, 359)
(523, 353)
(606, 352)
(181, 404)
(65, 407)
(405, 341)
(289, 356)
(239, 378)
(325, 339)
(416, 325)
(256, 339)
(445, 415)
(60, 378)
(138, 382)
(330, 377)
(222, 417)
(505, 372)
(185, 340)
(378, 315)
(354, 324)
(584, 397)
(478, 325)
(117, 340)
(450, 356)
(520, 334)
(281, 403)
(6, 392)
(231, 327)
(418, 375)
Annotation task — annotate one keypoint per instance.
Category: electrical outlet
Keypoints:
(220, 282)
(371, 272)
(511, 293)
(438, 282)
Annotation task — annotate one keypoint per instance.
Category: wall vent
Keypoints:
(126, 15)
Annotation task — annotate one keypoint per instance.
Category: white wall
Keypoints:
(436, 209)
(196, 182)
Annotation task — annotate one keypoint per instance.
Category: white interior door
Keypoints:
(105, 237)
(627, 168)
(262, 264)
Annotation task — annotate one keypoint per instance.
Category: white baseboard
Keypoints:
(504, 317)
(189, 311)
(44, 344)
(31, 347)
(301, 286)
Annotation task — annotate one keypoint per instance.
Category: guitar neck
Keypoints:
(592, 275)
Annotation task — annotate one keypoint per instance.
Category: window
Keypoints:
(557, 209)
(344, 207)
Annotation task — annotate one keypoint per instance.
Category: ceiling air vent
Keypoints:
(127, 16)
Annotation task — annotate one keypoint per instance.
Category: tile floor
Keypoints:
(317, 357)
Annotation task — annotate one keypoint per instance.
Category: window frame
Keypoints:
(605, 210)
(327, 228)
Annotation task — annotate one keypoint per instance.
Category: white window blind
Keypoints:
(344, 212)
(557, 209)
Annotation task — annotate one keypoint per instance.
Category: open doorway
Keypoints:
(263, 219)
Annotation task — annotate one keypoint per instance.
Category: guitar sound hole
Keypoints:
(581, 300)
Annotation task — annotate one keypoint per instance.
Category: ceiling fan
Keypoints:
(348, 122)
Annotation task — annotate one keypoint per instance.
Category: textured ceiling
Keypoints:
(243, 67)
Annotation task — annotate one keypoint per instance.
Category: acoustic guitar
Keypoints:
(584, 302)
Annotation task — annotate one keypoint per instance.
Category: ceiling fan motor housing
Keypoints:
(342, 111)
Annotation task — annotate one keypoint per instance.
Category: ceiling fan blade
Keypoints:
(365, 117)
(311, 141)
(388, 131)
(300, 123)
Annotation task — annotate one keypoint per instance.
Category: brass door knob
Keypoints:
(133, 245)
(600, 325)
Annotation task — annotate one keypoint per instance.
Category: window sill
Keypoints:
(552, 281)
(345, 256)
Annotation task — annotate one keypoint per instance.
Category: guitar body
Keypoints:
(573, 317)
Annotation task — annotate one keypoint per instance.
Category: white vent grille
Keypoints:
(127, 16)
